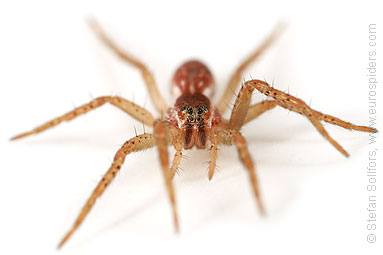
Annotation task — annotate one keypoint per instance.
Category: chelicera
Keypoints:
(194, 121)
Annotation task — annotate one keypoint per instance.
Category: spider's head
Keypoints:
(194, 115)
(193, 111)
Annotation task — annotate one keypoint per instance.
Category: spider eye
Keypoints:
(199, 111)
(183, 108)
(190, 110)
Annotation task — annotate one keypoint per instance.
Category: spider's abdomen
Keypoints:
(192, 77)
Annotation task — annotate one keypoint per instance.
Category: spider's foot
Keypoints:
(16, 137)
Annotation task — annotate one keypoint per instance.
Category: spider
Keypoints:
(193, 121)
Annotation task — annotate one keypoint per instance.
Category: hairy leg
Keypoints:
(176, 163)
(162, 137)
(215, 140)
(137, 143)
(236, 77)
(154, 93)
(234, 137)
(257, 109)
(130, 108)
(176, 140)
(344, 124)
(287, 101)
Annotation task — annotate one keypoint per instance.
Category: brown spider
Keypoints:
(194, 120)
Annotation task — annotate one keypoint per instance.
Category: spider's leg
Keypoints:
(176, 163)
(289, 102)
(141, 142)
(344, 124)
(214, 139)
(154, 93)
(237, 75)
(176, 137)
(242, 102)
(259, 108)
(234, 137)
(132, 109)
(161, 137)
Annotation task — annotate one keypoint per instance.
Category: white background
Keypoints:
(50, 62)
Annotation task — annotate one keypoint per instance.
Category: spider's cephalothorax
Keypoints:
(193, 113)
(193, 120)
